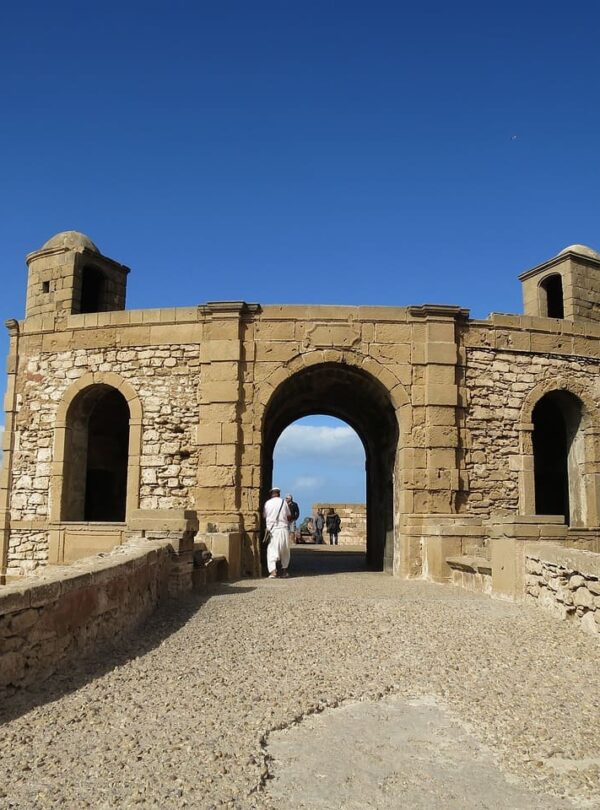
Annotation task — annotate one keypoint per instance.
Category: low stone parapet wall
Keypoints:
(564, 581)
(46, 620)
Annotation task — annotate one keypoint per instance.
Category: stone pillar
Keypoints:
(592, 474)
(178, 526)
(10, 409)
(435, 404)
(524, 463)
(219, 432)
(508, 536)
(430, 473)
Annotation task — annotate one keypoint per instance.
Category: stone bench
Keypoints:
(215, 569)
(471, 573)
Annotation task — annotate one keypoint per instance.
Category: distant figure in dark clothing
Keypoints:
(334, 525)
(295, 513)
(319, 526)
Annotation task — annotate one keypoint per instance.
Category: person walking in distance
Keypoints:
(295, 513)
(277, 518)
(333, 526)
(319, 526)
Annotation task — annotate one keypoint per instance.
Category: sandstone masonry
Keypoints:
(480, 435)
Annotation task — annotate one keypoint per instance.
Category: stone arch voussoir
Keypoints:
(101, 378)
(558, 384)
(385, 376)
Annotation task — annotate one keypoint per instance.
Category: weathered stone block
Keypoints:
(583, 598)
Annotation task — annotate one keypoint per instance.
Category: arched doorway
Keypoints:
(558, 457)
(360, 400)
(320, 461)
(96, 456)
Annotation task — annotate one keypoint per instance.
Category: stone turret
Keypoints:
(68, 275)
(566, 286)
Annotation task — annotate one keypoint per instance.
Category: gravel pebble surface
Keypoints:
(179, 714)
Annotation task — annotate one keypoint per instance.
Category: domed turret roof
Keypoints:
(583, 250)
(72, 240)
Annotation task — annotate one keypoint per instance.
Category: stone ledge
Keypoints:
(585, 562)
(61, 579)
(47, 620)
(475, 565)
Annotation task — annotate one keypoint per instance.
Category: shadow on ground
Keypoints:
(308, 561)
(139, 640)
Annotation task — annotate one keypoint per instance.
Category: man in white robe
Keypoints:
(277, 518)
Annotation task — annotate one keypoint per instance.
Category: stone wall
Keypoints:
(47, 620)
(27, 551)
(354, 522)
(165, 378)
(497, 385)
(442, 403)
(566, 582)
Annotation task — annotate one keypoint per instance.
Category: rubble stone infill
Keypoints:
(180, 714)
(566, 582)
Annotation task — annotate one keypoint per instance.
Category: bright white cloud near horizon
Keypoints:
(320, 459)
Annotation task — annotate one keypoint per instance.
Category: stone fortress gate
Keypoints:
(479, 434)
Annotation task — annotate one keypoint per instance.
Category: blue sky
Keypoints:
(319, 459)
(314, 151)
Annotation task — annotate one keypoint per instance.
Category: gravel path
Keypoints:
(180, 714)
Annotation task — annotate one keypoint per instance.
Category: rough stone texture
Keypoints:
(498, 384)
(443, 404)
(27, 550)
(182, 713)
(353, 517)
(388, 754)
(565, 582)
(165, 379)
(47, 620)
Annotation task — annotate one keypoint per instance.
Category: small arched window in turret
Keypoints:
(552, 296)
(93, 284)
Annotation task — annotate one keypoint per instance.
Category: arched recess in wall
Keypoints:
(559, 449)
(93, 290)
(361, 400)
(552, 303)
(95, 472)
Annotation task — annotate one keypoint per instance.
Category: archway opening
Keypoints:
(93, 290)
(362, 402)
(96, 456)
(320, 461)
(558, 455)
(552, 292)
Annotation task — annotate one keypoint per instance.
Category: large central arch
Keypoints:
(354, 395)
